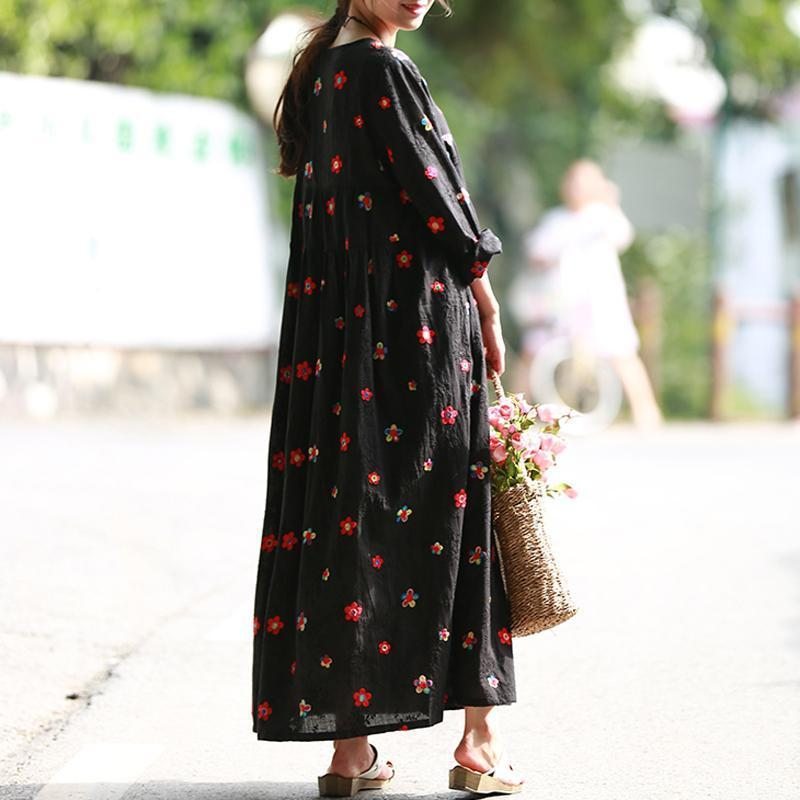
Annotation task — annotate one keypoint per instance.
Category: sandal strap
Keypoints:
(377, 765)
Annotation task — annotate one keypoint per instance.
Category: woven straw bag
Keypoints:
(537, 594)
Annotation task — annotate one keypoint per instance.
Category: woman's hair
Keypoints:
(289, 117)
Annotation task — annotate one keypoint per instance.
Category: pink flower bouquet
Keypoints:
(525, 439)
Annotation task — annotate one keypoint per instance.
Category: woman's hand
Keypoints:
(494, 347)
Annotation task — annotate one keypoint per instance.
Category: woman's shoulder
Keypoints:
(382, 59)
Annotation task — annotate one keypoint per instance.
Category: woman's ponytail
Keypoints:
(290, 119)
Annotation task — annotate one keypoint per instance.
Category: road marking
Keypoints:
(100, 771)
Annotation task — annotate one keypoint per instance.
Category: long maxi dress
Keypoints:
(379, 601)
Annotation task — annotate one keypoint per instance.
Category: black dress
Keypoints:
(378, 599)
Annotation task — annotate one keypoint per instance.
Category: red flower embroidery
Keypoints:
(274, 625)
(325, 661)
(330, 206)
(361, 697)
(504, 636)
(264, 710)
(339, 322)
(286, 373)
(436, 548)
(478, 268)
(293, 289)
(475, 555)
(353, 611)
(300, 622)
(385, 102)
(358, 121)
(336, 164)
(347, 526)
(336, 408)
(436, 224)
(374, 478)
(404, 259)
(297, 457)
(384, 647)
(340, 79)
(390, 155)
(269, 542)
(366, 393)
(449, 415)
(303, 370)
(256, 625)
(405, 198)
(469, 640)
(426, 335)
(437, 287)
(279, 460)
(460, 498)
(380, 351)
(288, 540)
(359, 310)
(344, 441)
(377, 561)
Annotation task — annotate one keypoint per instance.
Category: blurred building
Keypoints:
(137, 258)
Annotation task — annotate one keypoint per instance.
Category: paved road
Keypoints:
(128, 555)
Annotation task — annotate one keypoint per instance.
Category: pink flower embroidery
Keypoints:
(426, 335)
(330, 206)
(449, 415)
(366, 393)
(460, 498)
(344, 441)
(374, 478)
(336, 164)
(384, 647)
(385, 102)
(326, 661)
(353, 611)
(358, 121)
(431, 172)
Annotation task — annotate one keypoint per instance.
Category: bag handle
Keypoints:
(498, 387)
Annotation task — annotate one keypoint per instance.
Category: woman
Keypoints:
(379, 601)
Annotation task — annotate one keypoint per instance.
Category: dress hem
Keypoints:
(294, 736)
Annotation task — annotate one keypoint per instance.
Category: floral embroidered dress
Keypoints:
(378, 601)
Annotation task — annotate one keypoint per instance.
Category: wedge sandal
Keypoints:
(333, 785)
(462, 777)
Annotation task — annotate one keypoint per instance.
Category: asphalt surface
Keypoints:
(128, 555)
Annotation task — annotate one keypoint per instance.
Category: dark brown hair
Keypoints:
(289, 118)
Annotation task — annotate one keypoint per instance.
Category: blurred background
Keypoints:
(145, 236)
(143, 248)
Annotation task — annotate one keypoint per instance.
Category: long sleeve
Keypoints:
(403, 123)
